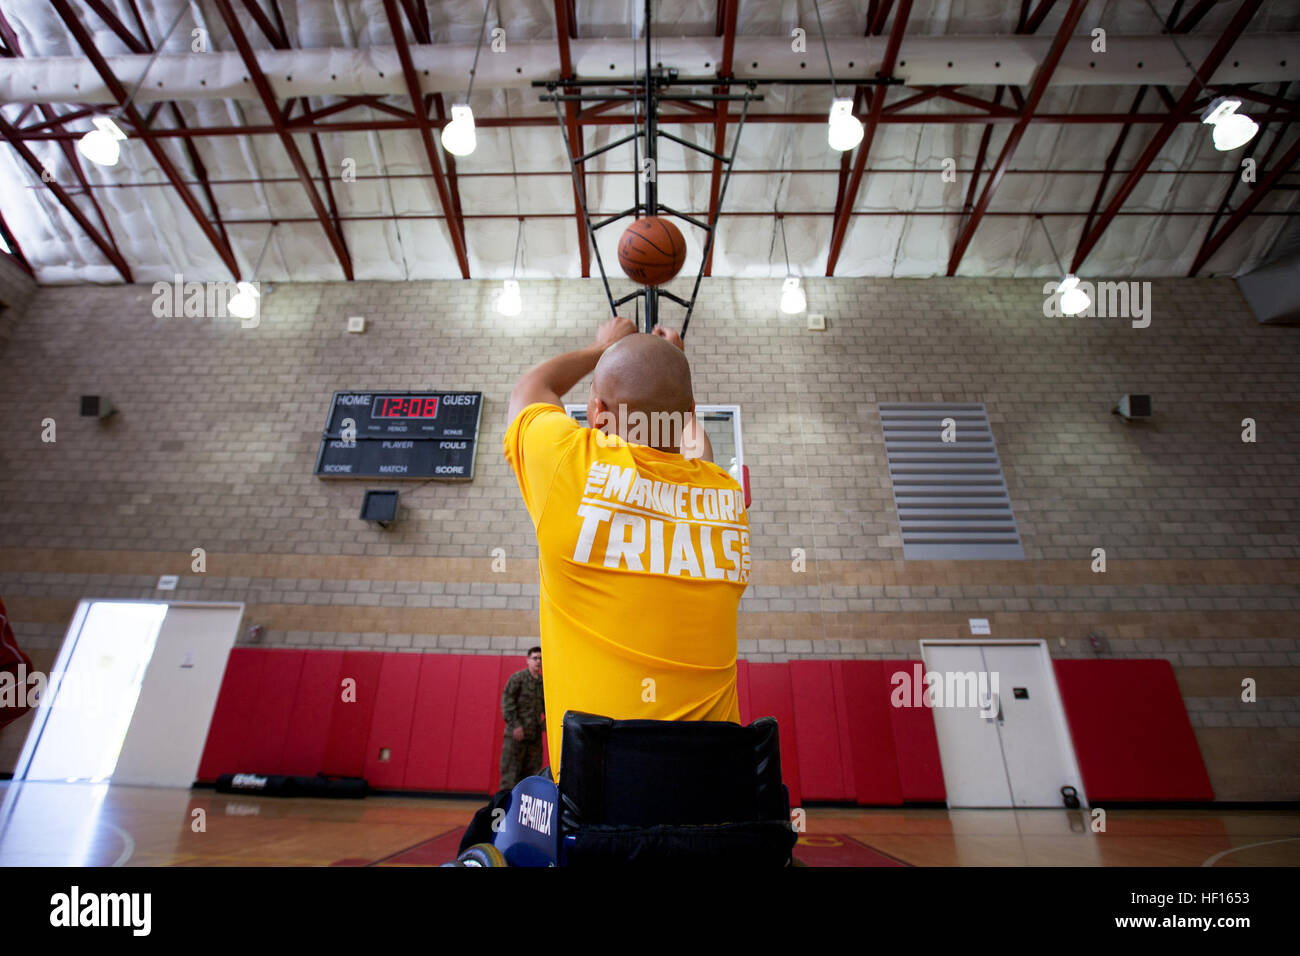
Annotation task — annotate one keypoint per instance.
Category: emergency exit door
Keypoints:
(1009, 746)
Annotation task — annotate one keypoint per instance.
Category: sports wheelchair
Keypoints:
(644, 792)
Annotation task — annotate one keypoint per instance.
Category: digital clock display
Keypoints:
(404, 406)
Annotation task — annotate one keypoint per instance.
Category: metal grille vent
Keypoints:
(951, 497)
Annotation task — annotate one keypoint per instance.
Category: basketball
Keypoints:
(651, 251)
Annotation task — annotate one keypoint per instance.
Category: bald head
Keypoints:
(643, 373)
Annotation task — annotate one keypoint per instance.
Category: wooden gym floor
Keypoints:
(57, 824)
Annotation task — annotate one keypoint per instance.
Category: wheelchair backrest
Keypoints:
(654, 772)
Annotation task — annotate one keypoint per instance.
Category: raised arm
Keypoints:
(695, 440)
(549, 381)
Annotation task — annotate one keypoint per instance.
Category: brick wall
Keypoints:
(218, 430)
(16, 289)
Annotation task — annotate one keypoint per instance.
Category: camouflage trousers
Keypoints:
(519, 759)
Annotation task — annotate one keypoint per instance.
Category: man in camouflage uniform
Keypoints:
(522, 706)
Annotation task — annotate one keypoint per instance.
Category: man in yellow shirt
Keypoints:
(643, 543)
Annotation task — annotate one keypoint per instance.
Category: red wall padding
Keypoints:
(232, 717)
(920, 775)
(439, 715)
(303, 753)
(867, 739)
(345, 747)
(390, 725)
(272, 711)
(769, 696)
(476, 722)
(435, 709)
(817, 731)
(1130, 730)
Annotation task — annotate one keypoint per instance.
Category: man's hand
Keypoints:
(518, 733)
(613, 330)
(670, 335)
(548, 381)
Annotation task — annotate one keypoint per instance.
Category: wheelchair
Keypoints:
(647, 792)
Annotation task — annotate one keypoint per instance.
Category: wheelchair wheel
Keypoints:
(481, 854)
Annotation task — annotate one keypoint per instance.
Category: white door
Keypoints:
(1036, 746)
(970, 751)
(132, 694)
(1008, 744)
(164, 743)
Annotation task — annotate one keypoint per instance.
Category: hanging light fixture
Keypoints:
(247, 298)
(243, 304)
(1232, 130)
(1074, 301)
(793, 299)
(100, 145)
(458, 136)
(843, 129)
(509, 301)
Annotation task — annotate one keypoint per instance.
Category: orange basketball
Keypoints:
(651, 251)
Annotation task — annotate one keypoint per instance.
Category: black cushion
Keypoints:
(759, 844)
(654, 773)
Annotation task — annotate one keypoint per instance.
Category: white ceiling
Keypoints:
(159, 238)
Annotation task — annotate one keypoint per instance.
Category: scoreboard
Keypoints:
(400, 435)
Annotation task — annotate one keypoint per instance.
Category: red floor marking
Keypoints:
(837, 849)
(433, 852)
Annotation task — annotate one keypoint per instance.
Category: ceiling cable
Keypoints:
(835, 93)
(479, 46)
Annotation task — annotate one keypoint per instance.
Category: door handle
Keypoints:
(991, 709)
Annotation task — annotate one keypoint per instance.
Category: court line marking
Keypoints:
(1249, 846)
(128, 845)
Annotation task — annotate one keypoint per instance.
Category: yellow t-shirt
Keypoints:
(643, 557)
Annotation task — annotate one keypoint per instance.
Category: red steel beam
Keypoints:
(141, 45)
(105, 13)
(1089, 240)
(683, 119)
(453, 181)
(267, 96)
(876, 23)
(417, 14)
(15, 252)
(456, 225)
(1195, 15)
(994, 106)
(269, 30)
(1214, 239)
(801, 213)
(1035, 19)
(70, 154)
(564, 26)
(87, 44)
(107, 248)
(844, 209)
(727, 14)
(1212, 243)
(1036, 90)
(1111, 159)
(278, 36)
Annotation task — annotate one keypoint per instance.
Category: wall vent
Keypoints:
(951, 497)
